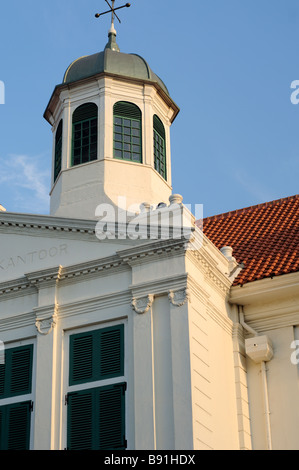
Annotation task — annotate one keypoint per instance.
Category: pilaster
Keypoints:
(46, 357)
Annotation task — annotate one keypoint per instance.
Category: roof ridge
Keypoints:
(249, 208)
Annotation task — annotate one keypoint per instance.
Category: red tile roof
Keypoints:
(264, 237)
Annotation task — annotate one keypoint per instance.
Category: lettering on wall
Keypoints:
(32, 257)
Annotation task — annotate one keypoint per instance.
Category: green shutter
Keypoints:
(80, 421)
(127, 110)
(2, 431)
(96, 419)
(58, 151)
(97, 355)
(2, 376)
(15, 426)
(158, 126)
(16, 373)
(111, 352)
(112, 417)
(81, 358)
(160, 147)
(85, 111)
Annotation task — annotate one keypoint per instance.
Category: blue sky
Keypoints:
(228, 65)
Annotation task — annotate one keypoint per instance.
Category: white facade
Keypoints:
(190, 380)
(171, 304)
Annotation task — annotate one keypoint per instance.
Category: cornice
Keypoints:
(118, 78)
(11, 222)
(159, 286)
(266, 290)
(211, 271)
(149, 251)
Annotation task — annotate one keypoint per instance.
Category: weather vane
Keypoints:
(112, 11)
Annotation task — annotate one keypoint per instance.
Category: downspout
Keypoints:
(264, 380)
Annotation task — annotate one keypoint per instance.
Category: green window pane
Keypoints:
(127, 130)
(159, 147)
(85, 135)
(118, 121)
(117, 153)
(136, 124)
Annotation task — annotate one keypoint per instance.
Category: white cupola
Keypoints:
(111, 119)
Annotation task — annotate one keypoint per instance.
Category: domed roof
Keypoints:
(111, 60)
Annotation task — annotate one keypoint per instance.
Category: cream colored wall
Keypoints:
(215, 416)
(271, 307)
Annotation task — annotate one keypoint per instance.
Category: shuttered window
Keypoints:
(58, 151)
(127, 137)
(15, 381)
(15, 426)
(96, 419)
(16, 372)
(97, 355)
(159, 147)
(85, 134)
(96, 415)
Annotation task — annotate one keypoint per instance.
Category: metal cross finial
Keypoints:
(112, 11)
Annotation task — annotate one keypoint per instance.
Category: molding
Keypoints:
(45, 277)
(22, 320)
(143, 304)
(266, 290)
(25, 223)
(210, 268)
(91, 305)
(153, 250)
(159, 286)
(179, 297)
(16, 287)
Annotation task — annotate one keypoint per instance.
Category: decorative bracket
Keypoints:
(46, 319)
(179, 297)
(143, 304)
(46, 325)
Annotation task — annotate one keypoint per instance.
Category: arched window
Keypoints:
(85, 134)
(58, 151)
(160, 147)
(127, 139)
